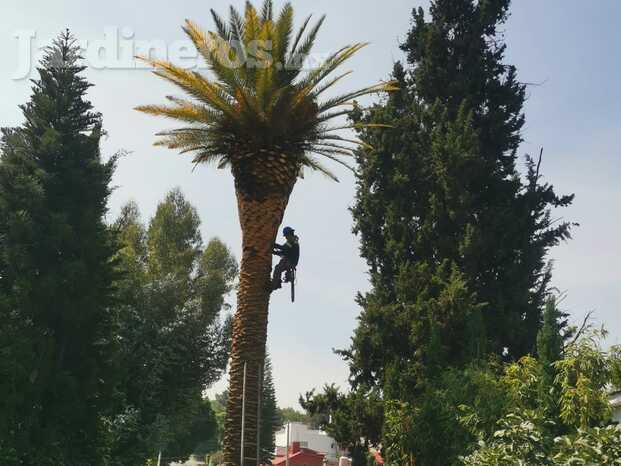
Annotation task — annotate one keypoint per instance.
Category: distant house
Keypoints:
(377, 457)
(308, 438)
(299, 456)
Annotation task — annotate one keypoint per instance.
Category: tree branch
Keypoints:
(585, 325)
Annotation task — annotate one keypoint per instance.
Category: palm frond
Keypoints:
(328, 66)
(336, 137)
(347, 99)
(333, 156)
(259, 108)
(313, 164)
(267, 11)
(191, 113)
(252, 24)
(298, 55)
(324, 87)
(299, 35)
(282, 34)
(211, 94)
(335, 149)
(355, 126)
(221, 26)
(237, 27)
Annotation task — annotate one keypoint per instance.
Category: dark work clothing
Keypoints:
(281, 267)
(290, 250)
(290, 255)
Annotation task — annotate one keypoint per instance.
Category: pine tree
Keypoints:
(56, 271)
(270, 417)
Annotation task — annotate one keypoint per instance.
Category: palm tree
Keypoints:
(263, 116)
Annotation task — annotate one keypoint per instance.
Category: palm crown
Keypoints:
(261, 114)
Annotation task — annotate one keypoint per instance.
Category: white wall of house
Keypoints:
(316, 440)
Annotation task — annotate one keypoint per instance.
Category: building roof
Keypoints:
(303, 452)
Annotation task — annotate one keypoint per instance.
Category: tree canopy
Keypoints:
(56, 272)
(174, 337)
(455, 234)
(455, 238)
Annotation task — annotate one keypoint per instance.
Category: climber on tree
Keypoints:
(289, 253)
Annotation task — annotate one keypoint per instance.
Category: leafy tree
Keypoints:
(526, 434)
(498, 415)
(550, 337)
(261, 116)
(520, 441)
(583, 378)
(56, 272)
(598, 445)
(293, 415)
(353, 419)
(421, 429)
(202, 437)
(218, 405)
(174, 343)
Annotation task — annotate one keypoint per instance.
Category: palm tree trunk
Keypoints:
(259, 219)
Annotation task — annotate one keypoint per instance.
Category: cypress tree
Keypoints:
(455, 238)
(550, 343)
(550, 337)
(56, 271)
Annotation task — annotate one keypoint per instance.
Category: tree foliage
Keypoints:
(456, 240)
(293, 415)
(500, 415)
(270, 415)
(527, 433)
(56, 273)
(174, 339)
(455, 236)
(266, 116)
(261, 99)
(353, 419)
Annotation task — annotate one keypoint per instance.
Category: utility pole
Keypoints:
(243, 419)
(287, 450)
(260, 391)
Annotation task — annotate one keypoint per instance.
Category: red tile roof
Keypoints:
(303, 452)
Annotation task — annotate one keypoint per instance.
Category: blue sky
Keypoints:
(568, 48)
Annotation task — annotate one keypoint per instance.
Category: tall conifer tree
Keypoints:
(270, 417)
(455, 237)
(56, 271)
(456, 240)
(550, 350)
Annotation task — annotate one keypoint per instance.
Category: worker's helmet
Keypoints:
(287, 231)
